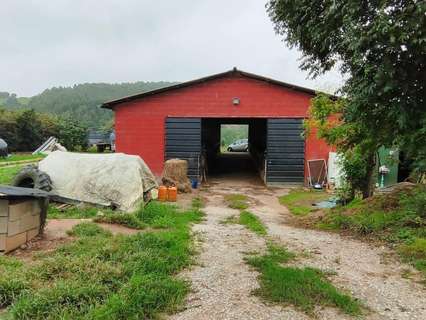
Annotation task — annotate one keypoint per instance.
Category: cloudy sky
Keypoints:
(46, 43)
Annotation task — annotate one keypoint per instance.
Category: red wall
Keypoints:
(139, 124)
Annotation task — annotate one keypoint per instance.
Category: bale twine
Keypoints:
(175, 173)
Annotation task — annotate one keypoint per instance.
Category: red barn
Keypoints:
(183, 121)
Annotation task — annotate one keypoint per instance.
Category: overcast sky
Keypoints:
(46, 43)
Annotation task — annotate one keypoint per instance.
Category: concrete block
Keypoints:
(3, 224)
(15, 241)
(4, 208)
(18, 209)
(32, 233)
(29, 222)
(13, 228)
(36, 207)
(2, 242)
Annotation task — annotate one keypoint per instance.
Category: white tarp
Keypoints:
(335, 169)
(99, 178)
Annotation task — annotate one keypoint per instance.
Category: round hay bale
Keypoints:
(175, 173)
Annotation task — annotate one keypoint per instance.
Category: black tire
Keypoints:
(230, 149)
(31, 177)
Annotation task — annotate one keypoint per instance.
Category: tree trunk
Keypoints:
(369, 184)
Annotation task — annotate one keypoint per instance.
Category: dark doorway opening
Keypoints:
(220, 161)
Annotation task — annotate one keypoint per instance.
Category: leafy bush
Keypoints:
(415, 202)
(26, 130)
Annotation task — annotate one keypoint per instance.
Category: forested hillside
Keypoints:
(80, 102)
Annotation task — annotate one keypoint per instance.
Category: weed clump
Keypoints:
(252, 222)
(198, 203)
(304, 288)
(129, 220)
(237, 201)
(88, 229)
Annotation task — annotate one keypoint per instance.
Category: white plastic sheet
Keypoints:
(115, 178)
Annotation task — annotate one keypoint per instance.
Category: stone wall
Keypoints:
(19, 222)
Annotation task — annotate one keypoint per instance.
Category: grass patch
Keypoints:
(72, 212)
(305, 288)
(129, 220)
(300, 201)
(21, 157)
(249, 220)
(155, 215)
(398, 218)
(8, 173)
(237, 201)
(229, 220)
(198, 202)
(252, 222)
(101, 275)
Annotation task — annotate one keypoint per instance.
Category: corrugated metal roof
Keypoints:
(113, 103)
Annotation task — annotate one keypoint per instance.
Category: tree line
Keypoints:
(79, 102)
(26, 130)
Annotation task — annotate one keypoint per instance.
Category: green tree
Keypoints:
(380, 46)
(72, 135)
(28, 131)
(8, 128)
(326, 116)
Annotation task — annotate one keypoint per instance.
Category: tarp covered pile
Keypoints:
(106, 179)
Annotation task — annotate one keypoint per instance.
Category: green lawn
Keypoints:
(20, 157)
(102, 276)
(8, 173)
(300, 201)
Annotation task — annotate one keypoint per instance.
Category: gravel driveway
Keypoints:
(222, 283)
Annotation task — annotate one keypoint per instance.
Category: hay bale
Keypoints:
(175, 173)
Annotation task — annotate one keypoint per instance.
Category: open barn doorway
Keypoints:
(234, 147)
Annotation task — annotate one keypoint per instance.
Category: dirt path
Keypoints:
(223, 283)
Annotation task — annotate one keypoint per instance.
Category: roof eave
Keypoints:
(113, 103)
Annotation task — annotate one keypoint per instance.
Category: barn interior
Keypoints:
(222, 163)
